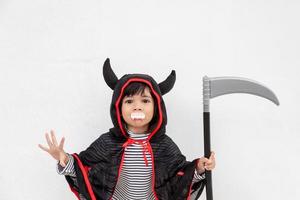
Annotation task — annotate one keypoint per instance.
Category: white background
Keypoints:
(51, 56)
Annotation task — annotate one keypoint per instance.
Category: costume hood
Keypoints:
(118, 86)
(98, 168)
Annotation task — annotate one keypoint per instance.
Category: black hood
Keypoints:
(118, 86)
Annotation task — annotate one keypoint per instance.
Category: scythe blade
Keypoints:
(227, 85)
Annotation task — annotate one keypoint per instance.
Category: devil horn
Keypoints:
(109, 76)
(167, 84)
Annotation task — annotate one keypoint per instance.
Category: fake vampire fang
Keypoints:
(137, 115)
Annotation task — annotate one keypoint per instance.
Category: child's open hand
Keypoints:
(55, 150)
(206, 164)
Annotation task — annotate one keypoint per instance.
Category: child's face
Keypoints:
(137, 111)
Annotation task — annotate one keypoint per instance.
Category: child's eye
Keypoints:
(146, 101)
(128, 101)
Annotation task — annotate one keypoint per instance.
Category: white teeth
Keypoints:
(137, 115)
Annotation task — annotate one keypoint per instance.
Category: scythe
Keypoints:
(217, 86)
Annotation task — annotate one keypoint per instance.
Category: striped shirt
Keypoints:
(135, 180)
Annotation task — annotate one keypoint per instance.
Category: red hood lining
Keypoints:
(158, 105)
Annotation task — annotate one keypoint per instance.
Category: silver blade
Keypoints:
(227, 85)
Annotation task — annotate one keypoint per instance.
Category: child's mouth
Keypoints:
(137, 116)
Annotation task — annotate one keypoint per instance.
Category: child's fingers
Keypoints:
(44, 148)
(61, 144)
(53, 138)
(208, 168)
(209, 162)
(210, 165)
(204, 160)
(48, 140)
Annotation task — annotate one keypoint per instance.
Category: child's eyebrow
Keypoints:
(143, 95)
(146, 96)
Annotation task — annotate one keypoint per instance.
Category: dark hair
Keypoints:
(134, 88)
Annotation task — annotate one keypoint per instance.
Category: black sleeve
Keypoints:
(180, 173)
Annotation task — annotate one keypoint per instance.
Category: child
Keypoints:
(135, 159)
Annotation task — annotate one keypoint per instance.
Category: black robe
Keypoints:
(98, 167)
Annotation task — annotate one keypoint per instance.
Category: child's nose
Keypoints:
(137, 106)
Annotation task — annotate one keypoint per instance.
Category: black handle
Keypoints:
(207, 152)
